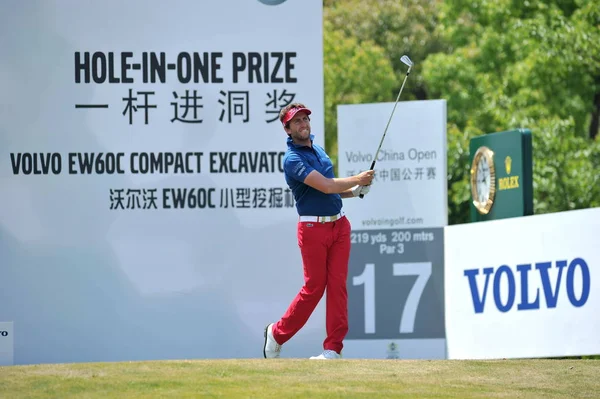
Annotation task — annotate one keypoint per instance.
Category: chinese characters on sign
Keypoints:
(190, 69)
(201, 198)
(168, 163)
(209, 84)
(187, 105)
(401, 174)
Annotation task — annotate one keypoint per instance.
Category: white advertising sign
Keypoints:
(410, 187)
(6, 343)
(395, 273)
(144, 213)
(524, 287)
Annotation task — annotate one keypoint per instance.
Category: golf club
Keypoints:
(405, 60)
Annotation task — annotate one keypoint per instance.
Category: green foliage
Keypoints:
(500, 64)
(354, 74)
(398, 27)
(363, 43)
(566, 168)
(522, 64)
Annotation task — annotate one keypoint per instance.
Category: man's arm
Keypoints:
(339, 185)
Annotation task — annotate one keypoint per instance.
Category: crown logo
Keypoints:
(508, 164)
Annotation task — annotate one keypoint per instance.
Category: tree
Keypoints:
(398, 27)
(355, 73)
(522, 64)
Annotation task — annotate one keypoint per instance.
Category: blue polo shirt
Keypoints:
(298, 162)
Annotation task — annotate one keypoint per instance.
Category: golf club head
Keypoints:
(405, 60)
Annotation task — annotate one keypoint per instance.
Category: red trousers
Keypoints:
(325, 249)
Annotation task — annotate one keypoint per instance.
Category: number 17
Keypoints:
(407, 322)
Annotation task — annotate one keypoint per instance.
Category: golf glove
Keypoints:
(358, 190)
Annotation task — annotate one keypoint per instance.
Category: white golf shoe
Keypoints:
(327, 354)
(271, 349)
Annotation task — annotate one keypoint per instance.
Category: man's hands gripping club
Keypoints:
(347, 187)
(360, 190)
(364, 186)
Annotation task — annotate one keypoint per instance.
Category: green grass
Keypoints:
(295, 378)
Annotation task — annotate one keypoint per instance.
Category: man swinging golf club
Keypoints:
(323, 235)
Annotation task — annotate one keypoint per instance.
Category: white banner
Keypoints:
(144, 213)
(410, 187)
(395, 273)
(523, 287)
(6, 343)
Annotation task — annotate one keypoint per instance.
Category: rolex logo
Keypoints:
(508, 164)
(509, 182)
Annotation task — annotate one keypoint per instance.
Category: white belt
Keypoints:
(322, 219)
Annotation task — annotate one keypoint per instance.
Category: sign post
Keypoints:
(395, 276)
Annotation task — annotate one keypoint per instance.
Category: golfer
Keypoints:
(323, 235)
